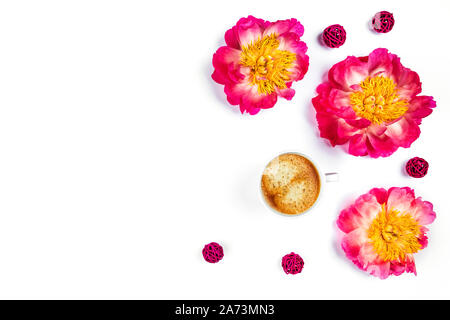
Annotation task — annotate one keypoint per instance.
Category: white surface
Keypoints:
(119, 158)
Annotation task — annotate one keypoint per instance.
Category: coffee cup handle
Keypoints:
(332, 177)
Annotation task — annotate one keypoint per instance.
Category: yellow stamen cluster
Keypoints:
(394, 235)
(268, 65)
(378, 100)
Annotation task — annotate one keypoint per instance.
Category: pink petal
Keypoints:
(423, 239)
(380, 63)
(397, 268)
(359, 123)
(352, 243)
(368, 207)
(249, 30)
(257, 100)
(226, 62)
(299, 68)
(377, 129)
(410, 265)
(332, 106)
(248, 98)
(287, 93)
(291, 42)
(420, 107)
(281, 27)
(400, 199)
(336, 130)
(334, 102)
(422, 211)
(232, 38)
(249, 109)
(403, 132)
(371, 262)
(380, 270)
(345, 74)
(360, 214)
(349, 219)
(358, 145)
(339, 104)
(235, 92)
(380, 145)
(408, 82)
(381, 194)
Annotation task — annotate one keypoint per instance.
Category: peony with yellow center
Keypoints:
(260, 62)
(384, 229)
(371, 104)
(267, 63)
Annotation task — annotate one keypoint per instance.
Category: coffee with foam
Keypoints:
(290, 184)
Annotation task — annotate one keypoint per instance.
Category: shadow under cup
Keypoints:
(291, 184)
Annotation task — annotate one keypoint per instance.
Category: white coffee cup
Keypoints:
(327, 177)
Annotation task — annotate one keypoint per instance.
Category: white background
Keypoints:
(120, 158)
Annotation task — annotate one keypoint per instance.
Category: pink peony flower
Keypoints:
(372, 103)
(383, 229)
(260, 62)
